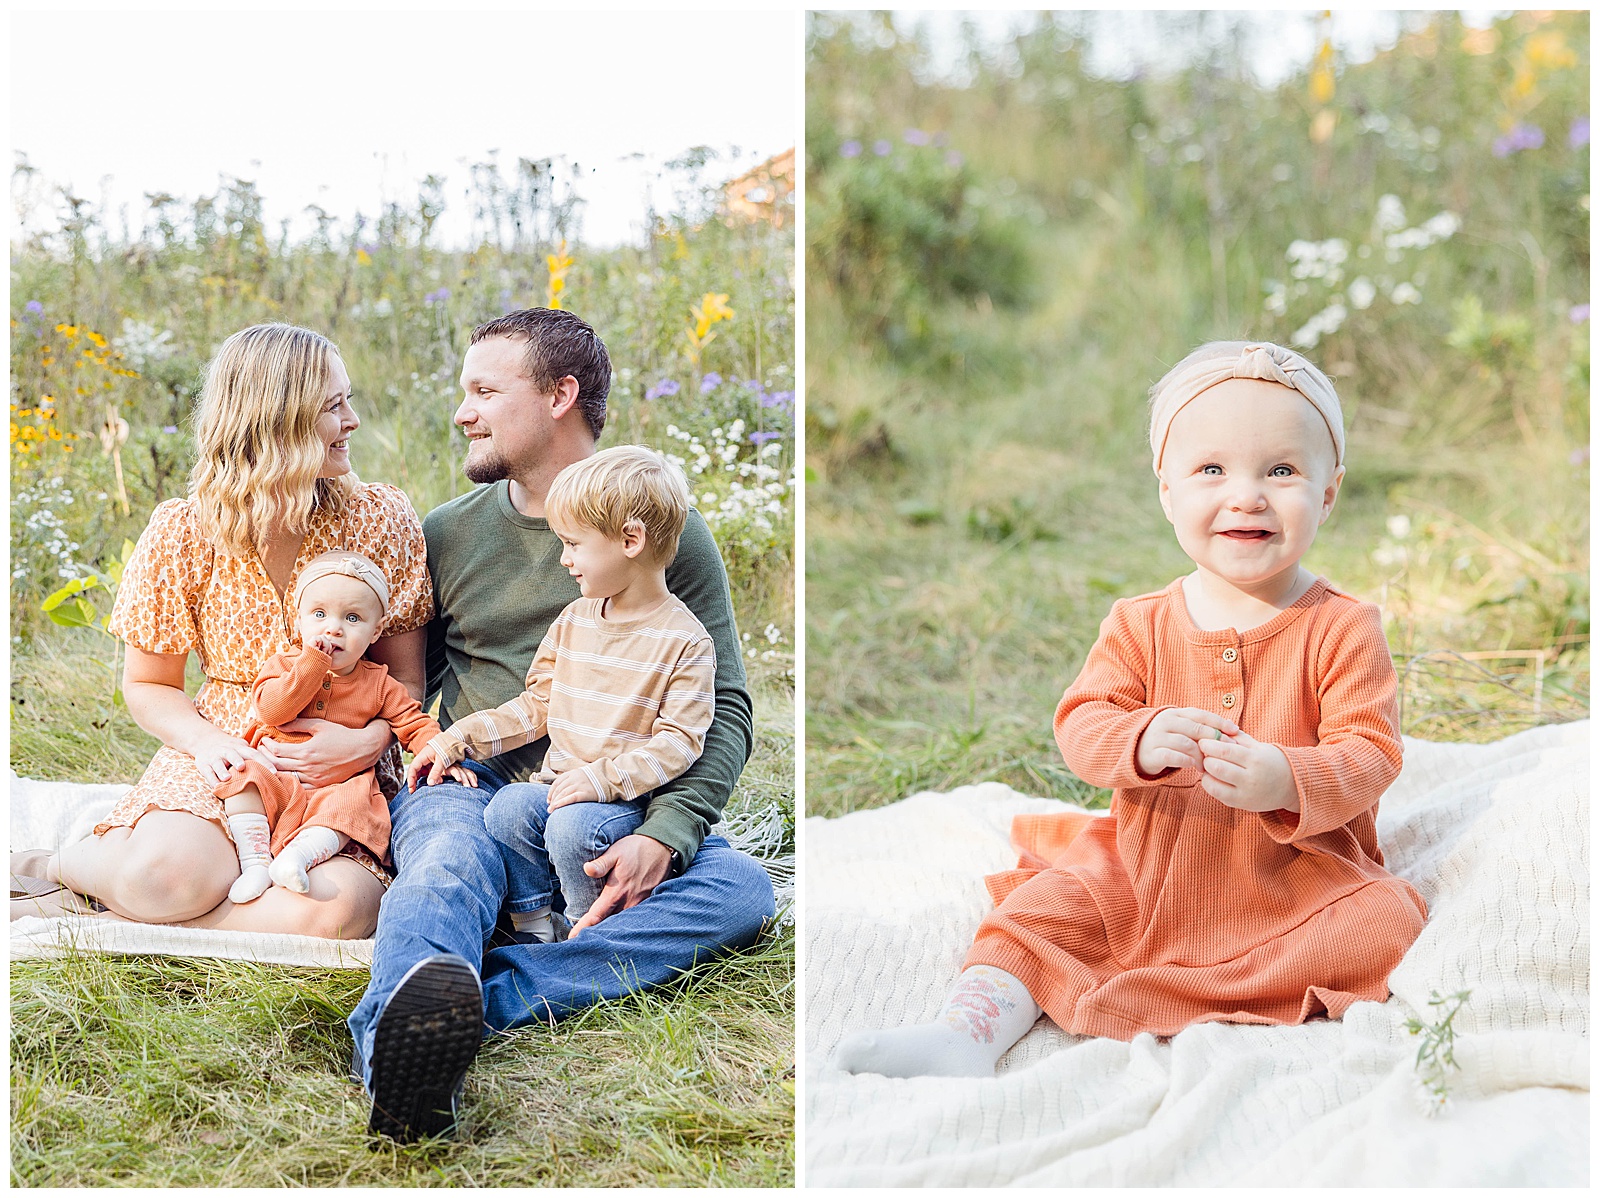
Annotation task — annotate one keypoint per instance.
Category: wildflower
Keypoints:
(1405, 293)
(437, 297)
(1578, 135)
(881, 147)
(763, 438)
(1391, 213)
(710, 383)
(664, 387)
(33, 306)
(778, 399)
(1399, 526)
(1362, 293)
(850, 149)
(1521, 137)
(916, 137)
(1578, 313)
(169, 428)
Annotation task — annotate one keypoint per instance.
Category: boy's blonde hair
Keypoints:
(257, 449)
(614, 486)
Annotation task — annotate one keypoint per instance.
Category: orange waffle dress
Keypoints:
(300, 682)
(1176, 909)
(179, 595)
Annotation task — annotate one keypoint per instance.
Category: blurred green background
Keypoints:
(1004, 253)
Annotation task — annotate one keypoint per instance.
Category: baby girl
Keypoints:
(282, 829)
(1245, 717)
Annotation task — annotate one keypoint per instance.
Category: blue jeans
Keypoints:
(452, 882)
(544, 849)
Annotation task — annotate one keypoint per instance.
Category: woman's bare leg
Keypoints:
(169, 867)
(342, 904)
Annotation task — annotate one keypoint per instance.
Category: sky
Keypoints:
(349, 109)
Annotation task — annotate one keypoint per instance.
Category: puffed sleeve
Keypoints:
(162, 585)
(382, 525)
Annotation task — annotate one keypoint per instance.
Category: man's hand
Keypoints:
(632, 868)
(1172, 740)
(333, 753)
(572, 787)
(1248, 774)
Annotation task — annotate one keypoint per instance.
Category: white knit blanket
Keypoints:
(1495, 837)
(48, 814)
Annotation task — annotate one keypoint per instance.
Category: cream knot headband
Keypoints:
(1255, 361)
(352, 565)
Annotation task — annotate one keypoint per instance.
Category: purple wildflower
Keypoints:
(881, 147)
(778, 399)
(1521, 137)
(952, 158)
(710, 383)
(1578, 313)
(664, 387)
(1578, 135)
(916, 137)
(850, 149)
(33, 306)
(437, 297)
(169, 428)
(763, 438)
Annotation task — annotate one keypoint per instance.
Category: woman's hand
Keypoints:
(1248, 774)
(334, 752)
(1172, 740)
(216, 753)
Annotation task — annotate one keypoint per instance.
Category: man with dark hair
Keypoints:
(535, 384)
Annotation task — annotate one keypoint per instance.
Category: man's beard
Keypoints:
(490, 468)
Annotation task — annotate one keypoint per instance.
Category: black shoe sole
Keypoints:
(426, 1037)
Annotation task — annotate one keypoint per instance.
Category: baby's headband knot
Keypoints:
(1271, 363)
(352, 565)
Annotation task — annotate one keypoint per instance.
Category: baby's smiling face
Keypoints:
(1247, 478)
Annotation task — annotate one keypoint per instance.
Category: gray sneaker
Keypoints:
(425, 1037)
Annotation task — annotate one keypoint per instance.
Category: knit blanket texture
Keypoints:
(1496, 839)
(48, 814)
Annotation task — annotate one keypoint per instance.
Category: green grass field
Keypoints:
(1023, 267)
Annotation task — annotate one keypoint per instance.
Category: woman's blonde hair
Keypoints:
(626, 482)
(255, 436)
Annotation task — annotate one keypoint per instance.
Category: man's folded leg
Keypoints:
(443, 901)
(718, 905)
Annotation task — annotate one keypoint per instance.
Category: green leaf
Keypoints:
(76, 587)
(73, 612)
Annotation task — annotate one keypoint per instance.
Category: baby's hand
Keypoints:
(1172, 740)
(323, 645)
(571, 787)
(1248, 774)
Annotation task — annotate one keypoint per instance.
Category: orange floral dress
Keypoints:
(179, 594)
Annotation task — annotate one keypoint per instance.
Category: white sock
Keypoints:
(985, 1013)
(253, 838)
(311, 846)
(541, 923)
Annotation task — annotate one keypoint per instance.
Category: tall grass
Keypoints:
(981, 487)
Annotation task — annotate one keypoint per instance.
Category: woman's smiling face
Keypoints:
(337, 421)
(1247, 478)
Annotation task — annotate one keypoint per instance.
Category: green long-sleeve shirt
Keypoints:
(498, 583)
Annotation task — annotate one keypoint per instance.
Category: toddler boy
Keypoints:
(623, 684)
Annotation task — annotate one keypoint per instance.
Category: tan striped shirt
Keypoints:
(626, 702)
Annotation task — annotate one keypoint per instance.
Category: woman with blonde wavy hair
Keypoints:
(271, 489)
